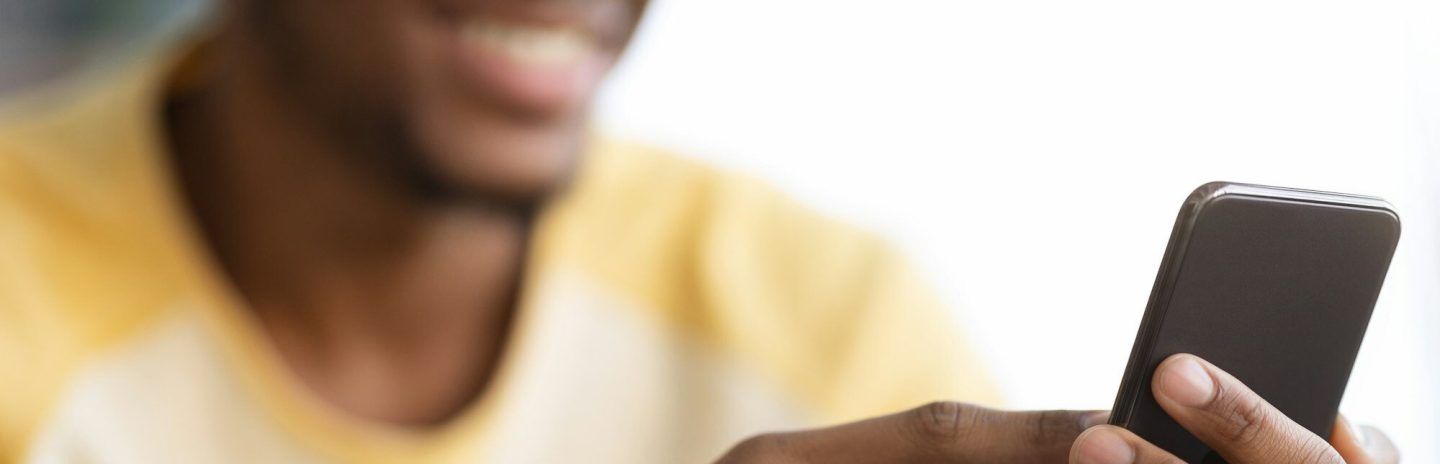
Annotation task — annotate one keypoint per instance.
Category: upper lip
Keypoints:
(607, 21)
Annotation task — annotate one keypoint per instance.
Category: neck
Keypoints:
(368, 290)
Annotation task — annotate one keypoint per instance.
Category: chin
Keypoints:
(507, 164)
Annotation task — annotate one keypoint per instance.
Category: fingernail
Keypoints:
(1101, 446)
(1094, 419)
(1187, 382)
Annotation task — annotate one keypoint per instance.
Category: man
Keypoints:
(380, 232)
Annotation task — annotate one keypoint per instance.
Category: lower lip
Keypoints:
(535, 88)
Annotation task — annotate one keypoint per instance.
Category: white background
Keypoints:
(1031, 155)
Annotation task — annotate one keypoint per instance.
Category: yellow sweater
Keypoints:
(671, 310)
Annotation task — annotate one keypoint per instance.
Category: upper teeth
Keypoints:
(531, 44)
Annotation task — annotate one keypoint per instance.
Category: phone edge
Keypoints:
(1170, 262)
(1173, 260)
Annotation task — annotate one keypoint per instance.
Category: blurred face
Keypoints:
(480, 98)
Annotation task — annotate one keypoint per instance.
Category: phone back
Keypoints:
(1275, 286)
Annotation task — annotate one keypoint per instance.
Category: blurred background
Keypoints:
(1030, 155)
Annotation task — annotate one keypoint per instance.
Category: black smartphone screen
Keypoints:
(1273, 285)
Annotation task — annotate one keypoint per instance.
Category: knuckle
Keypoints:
(1046, 427)
(1246, 422)
(1243, 419)
(939, 424)
(1316, 451)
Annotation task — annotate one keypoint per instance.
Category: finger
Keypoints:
(1362, 445)
(942, 431)
(1232, 419)
(1108, 444)
(1349, 442)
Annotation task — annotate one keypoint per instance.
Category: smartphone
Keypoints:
(1273, 285)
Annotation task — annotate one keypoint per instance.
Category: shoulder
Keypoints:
(651, 184)
(827, 310)
(694, 230)
(85, 204)
(80, 266)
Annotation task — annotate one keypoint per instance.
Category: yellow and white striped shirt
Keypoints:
(670, 310)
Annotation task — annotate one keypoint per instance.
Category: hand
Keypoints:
(1234, 421)
(939, 432)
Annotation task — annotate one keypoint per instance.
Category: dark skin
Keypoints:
(1218, 409)
(369, 189)
(373, 213)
